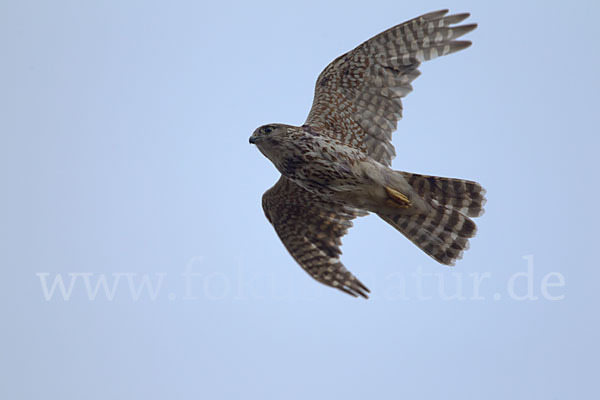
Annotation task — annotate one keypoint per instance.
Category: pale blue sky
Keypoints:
(124, 153)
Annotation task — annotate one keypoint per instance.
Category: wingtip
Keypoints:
(458, 45)
(469, 27)
(356, 291)
(435, 14)
(362, 294)
(454, 18)
(363, 289)
(347, 291)
(462, 16)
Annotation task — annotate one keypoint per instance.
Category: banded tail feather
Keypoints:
(467, 197)
(443, 232)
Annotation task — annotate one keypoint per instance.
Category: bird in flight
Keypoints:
(336, 166)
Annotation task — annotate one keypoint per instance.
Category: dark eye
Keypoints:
(267, 129)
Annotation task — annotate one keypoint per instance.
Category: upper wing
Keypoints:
(358, 96)
(311, 228)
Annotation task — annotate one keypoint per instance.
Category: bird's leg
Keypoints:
(397, 199)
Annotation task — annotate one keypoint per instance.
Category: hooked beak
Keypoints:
(252, 140)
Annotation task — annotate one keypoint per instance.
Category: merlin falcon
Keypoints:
(336, 166)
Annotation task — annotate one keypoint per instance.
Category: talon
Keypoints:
(397, 199)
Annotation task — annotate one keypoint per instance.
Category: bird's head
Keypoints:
(270, 140)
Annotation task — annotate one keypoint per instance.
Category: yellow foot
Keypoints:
(397, 199)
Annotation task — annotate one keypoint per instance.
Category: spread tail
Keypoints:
(443, 231)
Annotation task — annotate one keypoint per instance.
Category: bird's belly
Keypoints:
(321, 176)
